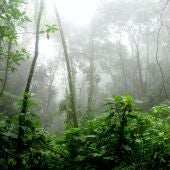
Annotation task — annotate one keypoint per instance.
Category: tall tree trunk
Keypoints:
(81, 97)
(49, 97)
(24, 107)
(6, 69)
(73, 71)
(51, 80)
(133, 71)
(123, 66)
(141, 89)
(147, 61)
(90, 104)
(69, 72)
(139, 71)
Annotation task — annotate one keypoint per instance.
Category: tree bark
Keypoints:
(123, 67)
(52, 71)
(90, 105)
(147, 61)
(24, 107)
(141, 90)
(69, 72)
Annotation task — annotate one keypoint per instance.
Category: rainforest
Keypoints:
(84, 84)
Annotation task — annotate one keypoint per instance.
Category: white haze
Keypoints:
(79, 12)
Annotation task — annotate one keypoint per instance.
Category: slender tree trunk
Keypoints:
(24, 107)
(6, 69)
(147, 62)
(49, 97)
(139, 72)
(52, 74)
(141, 89)
(124, 73)
(133, 70)
(135, 81)
(138, 61)
(81, 101)
(73, 71)
(123, 66)
(90, 105)
(70, 78)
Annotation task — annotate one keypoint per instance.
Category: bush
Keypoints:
(121, 138)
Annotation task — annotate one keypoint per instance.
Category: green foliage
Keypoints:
(65, 106)
(121, 138)
(12, 18)
(49, 30)
(141, 141)
(161, 111)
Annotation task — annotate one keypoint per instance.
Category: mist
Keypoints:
(66, 67)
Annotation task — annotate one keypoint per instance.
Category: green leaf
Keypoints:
(29, 124)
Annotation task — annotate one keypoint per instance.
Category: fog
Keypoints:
(84, 84)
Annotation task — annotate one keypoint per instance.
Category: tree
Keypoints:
(25, 102)
(122, 61)
(138, 60)
(73, 117)
(11, 18)
(90, 105)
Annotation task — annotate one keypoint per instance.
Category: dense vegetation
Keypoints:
(121, 138)
(55, 114)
